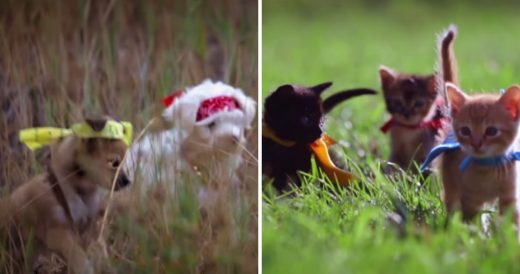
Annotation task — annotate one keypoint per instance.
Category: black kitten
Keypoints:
(293, 119)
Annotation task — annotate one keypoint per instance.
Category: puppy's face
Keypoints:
(99, 159)
(223, 132)
(94, 159)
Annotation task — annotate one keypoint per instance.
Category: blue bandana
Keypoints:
(451, 144)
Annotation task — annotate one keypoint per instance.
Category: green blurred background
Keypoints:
(309, 42)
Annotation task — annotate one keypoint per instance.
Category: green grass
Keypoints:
(317, 229)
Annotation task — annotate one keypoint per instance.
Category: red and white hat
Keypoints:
(200, 103)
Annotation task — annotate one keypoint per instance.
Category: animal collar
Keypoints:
(320, 149)
(35, 138)
(207, 107)
(451, 144)
(435, 124)
(267, 132)
(60, 196)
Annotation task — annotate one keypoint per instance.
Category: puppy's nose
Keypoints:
(235, 138)
(122, 181)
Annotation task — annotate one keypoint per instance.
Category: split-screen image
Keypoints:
(259, 136)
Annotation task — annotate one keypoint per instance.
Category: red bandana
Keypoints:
(168, 100)
(432, 124)
(436, 124)
(207, 107)
(213, 105)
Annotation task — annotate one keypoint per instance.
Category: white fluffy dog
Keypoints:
(206, 139)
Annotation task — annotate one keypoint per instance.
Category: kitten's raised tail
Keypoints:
(447, 70)
(447, 55)
(339, 97)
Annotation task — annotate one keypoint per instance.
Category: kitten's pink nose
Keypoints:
(476, 144)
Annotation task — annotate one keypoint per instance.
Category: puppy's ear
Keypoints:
(247, 105)
(97, 124)
(318, 89)
(182, 114)
(249, 110)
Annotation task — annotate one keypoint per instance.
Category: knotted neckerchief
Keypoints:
(435, 123)
(451, 143)
(320, 149)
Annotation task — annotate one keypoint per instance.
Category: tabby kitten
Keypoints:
(415, 106)
(293, 119)
(483, 169)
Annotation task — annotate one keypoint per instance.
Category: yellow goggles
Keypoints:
(35, 138)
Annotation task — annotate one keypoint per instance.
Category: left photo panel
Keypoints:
(128, 136)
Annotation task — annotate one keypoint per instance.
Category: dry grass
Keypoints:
(62, 60)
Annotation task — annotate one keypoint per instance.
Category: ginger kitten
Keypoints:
(415, 106)
(483, 168)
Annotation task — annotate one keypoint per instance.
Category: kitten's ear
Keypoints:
(456, 97)
(318, 89)
(285, 88)
(431, 84)
(511, 101)
(387, 76)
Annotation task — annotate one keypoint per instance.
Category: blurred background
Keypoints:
(309, 42)
(62, 60)
(315, 229)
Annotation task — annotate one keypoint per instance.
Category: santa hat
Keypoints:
(196, 104)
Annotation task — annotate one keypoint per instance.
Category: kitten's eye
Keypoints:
(465, 131)
(491, 131)
(211, 125)
(305, 120)
(393, 104)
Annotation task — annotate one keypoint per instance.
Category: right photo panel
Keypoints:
(390, 136)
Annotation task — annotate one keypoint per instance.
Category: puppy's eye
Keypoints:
(114, 163)
(465, 131)
(212, 125)
(491, 131)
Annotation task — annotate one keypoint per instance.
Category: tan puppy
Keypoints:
(61, 206)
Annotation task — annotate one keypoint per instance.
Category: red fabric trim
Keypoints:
(168, 100)
(432, 124)
(213, 105)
